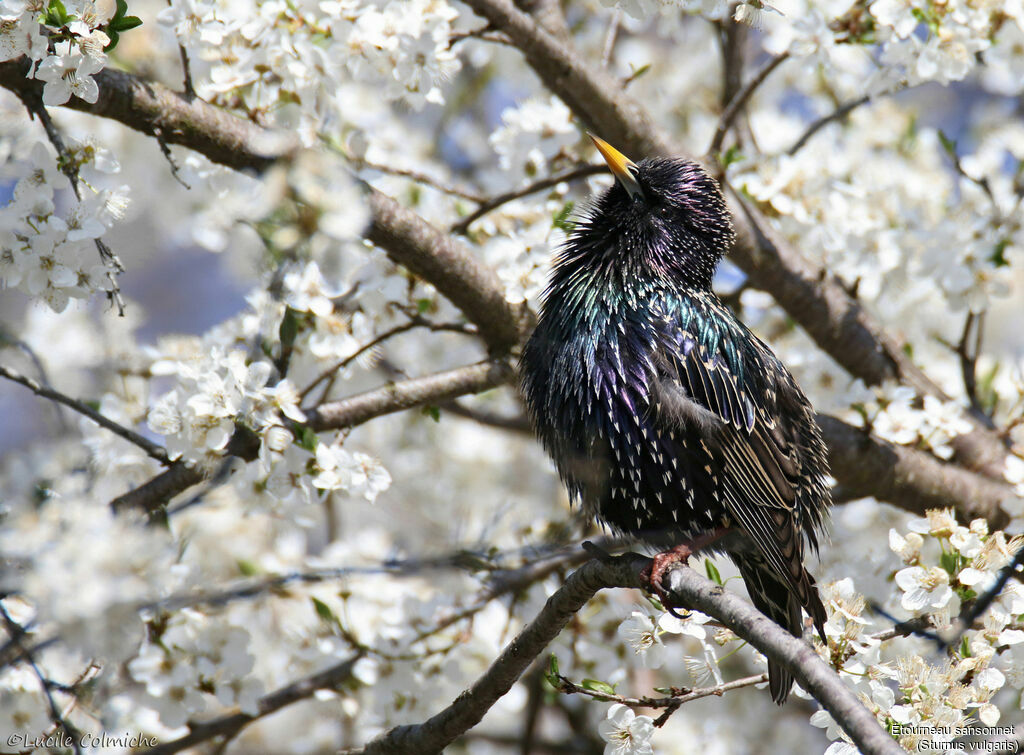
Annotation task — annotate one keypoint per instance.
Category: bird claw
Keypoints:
(652, 574)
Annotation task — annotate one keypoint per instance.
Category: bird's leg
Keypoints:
(652, 573)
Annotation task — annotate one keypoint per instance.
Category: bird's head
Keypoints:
(664, 214)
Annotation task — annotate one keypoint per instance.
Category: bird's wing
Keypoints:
(758, 480)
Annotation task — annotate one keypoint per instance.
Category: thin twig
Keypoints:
(415, 321)
(17, 632)
(343, 363)
(152, 449)
(546, 183)
(670, 703)
(485, 34)
(840, 112)
(517, 424)
(423, 178)
(968, 350)
(165, 150)
(610, 36)
(982, 183)
(737, 102)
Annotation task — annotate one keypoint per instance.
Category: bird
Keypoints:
(667, 419)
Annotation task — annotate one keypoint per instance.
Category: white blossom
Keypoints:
(625, 732)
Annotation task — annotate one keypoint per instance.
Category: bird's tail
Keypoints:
(773, 596)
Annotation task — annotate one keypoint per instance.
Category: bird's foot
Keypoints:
(660, 562)
(653, 572)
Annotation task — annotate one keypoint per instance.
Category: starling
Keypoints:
(668, 420)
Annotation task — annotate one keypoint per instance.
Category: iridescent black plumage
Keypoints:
(665, 416)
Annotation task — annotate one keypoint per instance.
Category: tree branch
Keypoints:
(689, 589)
(349, 412)
(546, 183)
(737, 102)
(914, 480)
(152, 449)
(813, 673)
(150, 107)
(448, 265)
(430, 389)
(228, 726)
(670, 703)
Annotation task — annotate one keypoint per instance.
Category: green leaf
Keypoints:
(712, 571)
(121, 21)
(324, 611)
(551, 675)
(434, 412)
(289, 328)
(596, 685)
(947, 144)
(998, 257)
(247, 568)
(306, 438)
(732, 155)
(562, 220)
(638, 72)
(424, 305)
(56, 14)
(965, 647)
(125, 23)
(951, 562)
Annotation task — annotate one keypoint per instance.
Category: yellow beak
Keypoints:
(621, 166)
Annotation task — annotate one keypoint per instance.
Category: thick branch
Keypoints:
(434, 389)
(545, 183)
(842, 327)
(591, 92)
(740, 99)
(156, 110)
(866, 465)
(914, 480)
(431, 389)
(448, 265)
(229, 140)
(690, 589)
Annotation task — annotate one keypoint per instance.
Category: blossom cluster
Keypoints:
(188, 654)
(67, 40)
(48, 247)
(290, 63)
(945, 565)
(895, 413)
